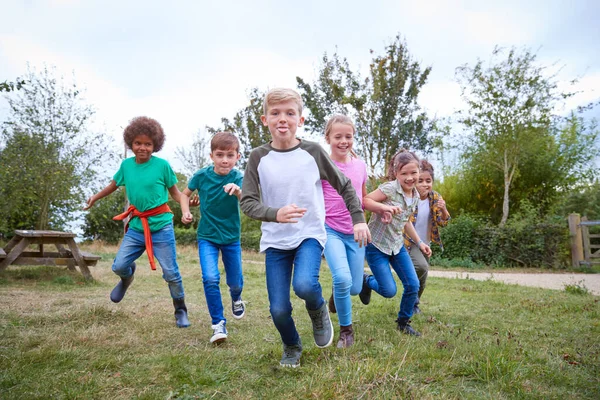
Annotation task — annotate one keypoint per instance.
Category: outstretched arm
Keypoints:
(111, 187)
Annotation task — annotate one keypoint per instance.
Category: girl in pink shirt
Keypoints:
(344, 256)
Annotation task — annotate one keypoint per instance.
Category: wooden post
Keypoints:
(585, 235)
(576, 240)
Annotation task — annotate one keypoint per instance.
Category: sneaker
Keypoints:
(291, 355)
(416, 309)
(238, 307)
(365, 293)
(404, 327)
(346, 337)
(219, 333)
(322, 326)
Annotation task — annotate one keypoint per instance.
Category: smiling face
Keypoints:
(143, 147)
(408, 176)
(224, 160)
(283, 119)
(424, 184)
(341, 139)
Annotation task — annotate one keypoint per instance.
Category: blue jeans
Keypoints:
(231, 254)
(383, 282)
(163, 243)
(300, 268)
(347, 262)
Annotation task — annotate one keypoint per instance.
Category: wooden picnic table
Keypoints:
(15, 252)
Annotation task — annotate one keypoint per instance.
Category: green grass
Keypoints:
(61, 337)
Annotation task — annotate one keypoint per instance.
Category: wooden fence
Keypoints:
(585, 248)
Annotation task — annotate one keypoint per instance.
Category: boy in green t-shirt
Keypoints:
(218, 187)
(148, 180)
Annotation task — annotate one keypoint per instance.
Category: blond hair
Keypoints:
(340, 119)
(280, 95)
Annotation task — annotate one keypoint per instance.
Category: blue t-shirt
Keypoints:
(147, 186)
(219, 211)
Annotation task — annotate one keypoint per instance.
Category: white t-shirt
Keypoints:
(422, 222)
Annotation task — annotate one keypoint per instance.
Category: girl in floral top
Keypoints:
(391, 204)
(430, 214)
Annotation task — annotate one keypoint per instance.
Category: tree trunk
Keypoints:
(509, 173)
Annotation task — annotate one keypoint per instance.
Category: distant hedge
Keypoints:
(525, 241)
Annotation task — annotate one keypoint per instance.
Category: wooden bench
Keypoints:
(2, 253)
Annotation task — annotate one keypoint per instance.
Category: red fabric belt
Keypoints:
(144, 217)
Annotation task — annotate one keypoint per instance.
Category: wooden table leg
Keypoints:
(14, 252)
(12, 243)
(79, 259)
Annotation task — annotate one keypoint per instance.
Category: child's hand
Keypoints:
(362, 235)
(442, 204)
(386, 217)
(194, 201)
(290, 214)
(232, 189)
(425, 249)
(187, 217)
(89, 203)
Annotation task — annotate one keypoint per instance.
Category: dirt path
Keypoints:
(548, 281)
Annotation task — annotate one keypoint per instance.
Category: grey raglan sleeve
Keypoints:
(339, 182)
(250, 202)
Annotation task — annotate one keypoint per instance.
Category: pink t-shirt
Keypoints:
(336, 213)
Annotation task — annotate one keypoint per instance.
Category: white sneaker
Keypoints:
(219, 333)
(238, 309)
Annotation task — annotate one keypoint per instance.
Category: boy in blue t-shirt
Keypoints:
(218, 187)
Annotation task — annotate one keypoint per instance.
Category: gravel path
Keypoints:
(548, 281)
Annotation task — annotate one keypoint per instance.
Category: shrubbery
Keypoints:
(525, 241)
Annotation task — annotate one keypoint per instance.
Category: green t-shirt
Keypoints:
(219, 211)
(147, 187)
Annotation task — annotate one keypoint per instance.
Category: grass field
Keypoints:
(61, 337)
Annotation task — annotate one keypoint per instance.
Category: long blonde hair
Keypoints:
(340, 119)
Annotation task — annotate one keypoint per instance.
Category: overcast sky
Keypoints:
(189, 63)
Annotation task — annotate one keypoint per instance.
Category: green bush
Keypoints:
(525, 241)
(185, 236)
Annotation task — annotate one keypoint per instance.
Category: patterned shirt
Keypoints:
(388, 237)
(435, 223)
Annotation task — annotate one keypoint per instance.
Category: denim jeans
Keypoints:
(346, 261)
(300, 268)
(231, 254)
(383, 282)
(163, 244)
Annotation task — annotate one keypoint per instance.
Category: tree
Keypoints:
(383, 106)
(7, 86)
(50, 156)
(98, 222)
(510, 106)
(197, 156)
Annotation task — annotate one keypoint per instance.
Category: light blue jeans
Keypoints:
(346, 261)
(300, 268)
(163, 244)
(383, 282)
(231, 254)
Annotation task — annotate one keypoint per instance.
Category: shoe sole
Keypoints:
(331, 338)
(289, 365)
(218, 339)
(239, 316)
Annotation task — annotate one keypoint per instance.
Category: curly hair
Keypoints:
(425, 166)
(399, 160)
(145, 126)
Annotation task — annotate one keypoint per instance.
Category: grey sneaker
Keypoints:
(291, 355)
(322, 326)
(219, 333)
(238, 307)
